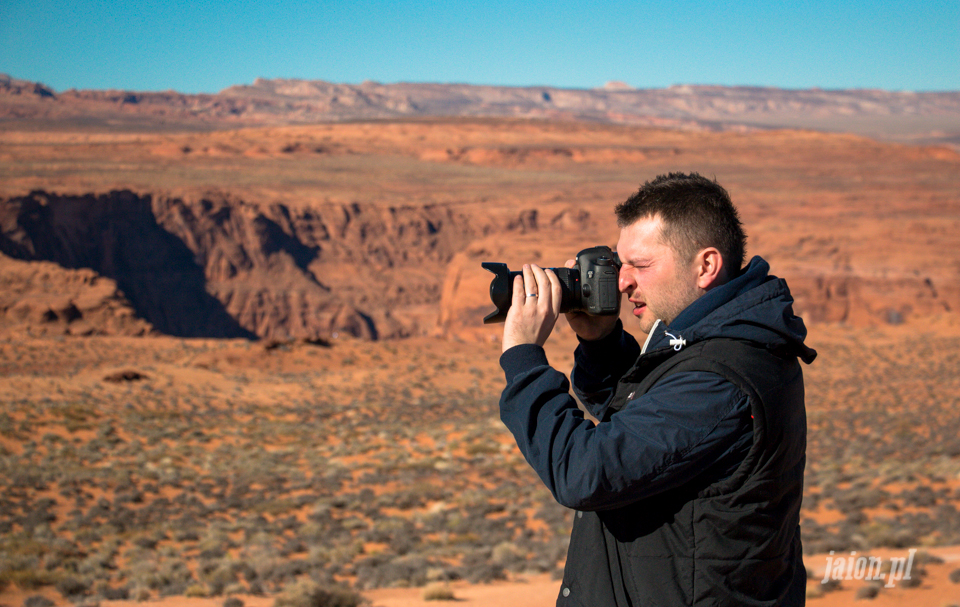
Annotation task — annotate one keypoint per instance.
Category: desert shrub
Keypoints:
(195, 591)
(169, 577)
(307, 593)
(39, 514)
(109, 593)
(9, 427)
(38, 600)
(507, 555)
(216, 542)
(292, 546)
(402, 535)
(87, 534)
(140, 594)
(438, 592)
(28, 579)
(322, 512)
(245, 570)
(867, 592)
(187, 535)
(482, 448)
(884, 533)
(477, 567)
(925, 558)
(148, 543)
(71, 586)
(233, 602)
(285, 570)
(817, 539)
(484, 573)
(540, 564)
(214, 553)
(174, 588)
(98, 563)
(217, 576)
(384, 571)
(353, 523)
(289, 523)
(336, 555)
(921, 496)
(855, 517)
(262, 559)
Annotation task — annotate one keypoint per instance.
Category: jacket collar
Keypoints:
(755, 306)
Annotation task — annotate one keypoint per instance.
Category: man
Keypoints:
(688, 489)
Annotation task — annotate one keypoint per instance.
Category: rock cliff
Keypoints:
(219, 266)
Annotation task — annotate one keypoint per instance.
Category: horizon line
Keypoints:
(611, 86)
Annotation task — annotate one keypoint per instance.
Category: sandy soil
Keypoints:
(462, 451)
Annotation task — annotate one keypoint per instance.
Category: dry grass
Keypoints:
(234, 469)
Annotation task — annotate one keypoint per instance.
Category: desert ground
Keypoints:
(333, 418)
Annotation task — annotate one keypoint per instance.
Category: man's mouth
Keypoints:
(638, 308)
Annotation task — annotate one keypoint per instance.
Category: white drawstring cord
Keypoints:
(676, 342)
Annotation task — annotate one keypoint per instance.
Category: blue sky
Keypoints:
(207, 46)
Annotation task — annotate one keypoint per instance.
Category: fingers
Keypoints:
(519, 292)
(547, 288)
(535, 306)
(570, 263)
(556, 292)
(543, 284)
(530, 281)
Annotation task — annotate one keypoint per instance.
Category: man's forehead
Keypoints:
(643, 236)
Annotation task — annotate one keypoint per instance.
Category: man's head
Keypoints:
(680, 236)
(696, 213)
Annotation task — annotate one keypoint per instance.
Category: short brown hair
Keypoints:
(696, 213)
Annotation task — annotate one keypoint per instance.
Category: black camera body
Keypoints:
(590, 286)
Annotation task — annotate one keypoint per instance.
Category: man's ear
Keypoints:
(709, 266)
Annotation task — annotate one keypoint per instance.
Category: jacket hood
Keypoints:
(756, 306)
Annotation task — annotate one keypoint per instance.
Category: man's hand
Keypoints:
(534, 309)
(589, 328)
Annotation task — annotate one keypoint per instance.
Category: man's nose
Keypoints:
(625, 282)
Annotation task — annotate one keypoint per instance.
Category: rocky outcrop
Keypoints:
(117, 236)
(931, 117)
(41, 298)
(869, 301)
(222, 267)
(13, 87)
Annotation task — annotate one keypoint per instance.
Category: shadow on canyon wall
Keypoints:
(119, 236)
(218, 266)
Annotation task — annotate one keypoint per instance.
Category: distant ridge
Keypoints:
(909, 117)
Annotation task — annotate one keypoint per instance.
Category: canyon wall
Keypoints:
(378, 229)
(222, 267)
(218, 266)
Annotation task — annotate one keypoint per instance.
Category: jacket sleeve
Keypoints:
(599, 365)
(687, 424)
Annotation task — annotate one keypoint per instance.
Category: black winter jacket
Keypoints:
(689, 489)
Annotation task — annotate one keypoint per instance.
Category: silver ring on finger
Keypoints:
(531, 294)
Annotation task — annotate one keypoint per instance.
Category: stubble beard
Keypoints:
(674, 301)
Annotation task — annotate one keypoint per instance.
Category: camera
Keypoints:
(590, 286)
